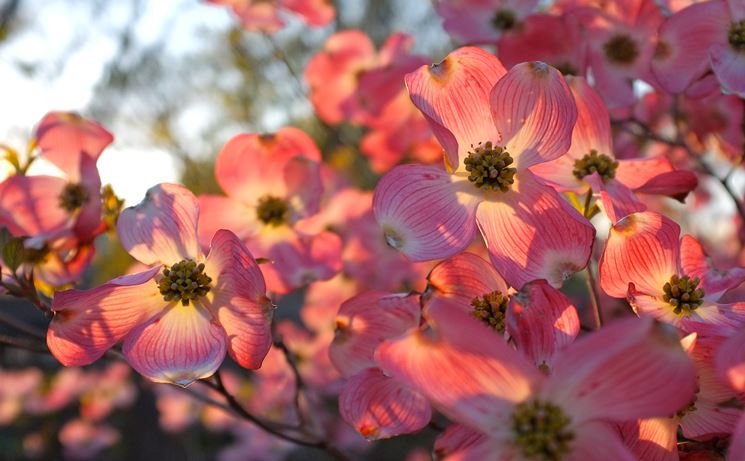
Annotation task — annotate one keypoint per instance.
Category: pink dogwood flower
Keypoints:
(177, 319)
(376, 405)
(590, 163)
(630, 369)
(494, 125)
(482, 21)
(667, 277)
(704, 37)
(272, 181)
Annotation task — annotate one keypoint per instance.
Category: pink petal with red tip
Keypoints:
(65, 137)
(163, 227)
(695, 263)
(454, 97)
(250, 166)
(87, 323)
(682, 55)
(618, 200)
(675, 184)
(652, 439)
(542, 321)
(179, 345)
(592, 131)
(461, 443)
(379, 407)
(425, 212)
(467, 372)
(632, 368)
(730, 361)
(532, 233)
(598, 441)
(642, 249)
(461, 279)
(365, 321)
(709, 313)
(635, 173)
(729, 67)
(216, 212)
(238, 299)
(29, 205)
(534, 111)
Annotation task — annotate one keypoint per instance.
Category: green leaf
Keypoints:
(14, 253)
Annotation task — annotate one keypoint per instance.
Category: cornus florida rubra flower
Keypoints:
(704, 37)
(177, 319)
(482, 21)
(667, 277)
(630, 369)
(271, 182)
(265, 16)
(591, 164)
(493, 125)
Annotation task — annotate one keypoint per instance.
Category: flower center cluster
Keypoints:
(682, 293)
(490, 309)
(184, 281)
(504, 20)
(272, 210)
(737, 35)
(488, 167)
(593, 162)
(621, 49)
(541, 431)
(73, 197)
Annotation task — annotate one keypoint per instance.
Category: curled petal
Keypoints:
(454, 97)
(542, 321)
(65, 138)
(364, 321)
(531, 234)
(462, 278)
(534, 111)
(379, 407)
(425, 212)
(642, 249)
(87, 323)
(465, 370)
(238, 299)
(179, 346)
(695, 263)
(163, 227)
(675, 184)
(633, 368)
(618, 200)
(682, 55)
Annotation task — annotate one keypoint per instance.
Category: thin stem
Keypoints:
(269, 426)
(21, 326)
(299, 383)
(588, 201)
(594, 301)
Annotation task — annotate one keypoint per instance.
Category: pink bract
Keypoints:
(475, 110)
(168, 340)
